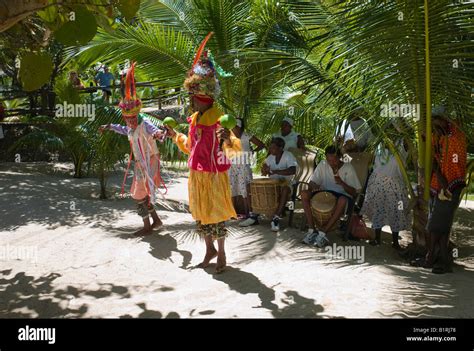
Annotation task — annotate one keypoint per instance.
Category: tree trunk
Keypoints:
(12, 12)
(159, 98)
(103, 184)
(421, 237)
(78, 167)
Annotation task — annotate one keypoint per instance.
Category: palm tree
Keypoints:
(318, 61)
(106, 149)
(372, 53)
(166, 34)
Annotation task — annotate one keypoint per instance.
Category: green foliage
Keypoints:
(107, 148)
(65, 91)
(313, 61)
(79, 29)
(35, 70)
(128, 8)
(38, 139)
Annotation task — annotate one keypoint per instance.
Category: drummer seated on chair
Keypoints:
(337, 177)
(282, 165)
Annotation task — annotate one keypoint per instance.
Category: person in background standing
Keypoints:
(386, 198)
(447, 182)
(75, 81)
(353, 134)
(105, 80)
(240, 172)
(293, 141)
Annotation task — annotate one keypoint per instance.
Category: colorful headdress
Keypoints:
(130, 104)
(202, 79)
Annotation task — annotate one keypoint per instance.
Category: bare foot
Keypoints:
(221, 264)
(156, 224)
(143, 232)
(208, 258)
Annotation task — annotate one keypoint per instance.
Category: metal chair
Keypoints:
(306, 165)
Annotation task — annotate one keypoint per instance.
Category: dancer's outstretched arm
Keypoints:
(153, 130)
(117, 128)
(179, 139)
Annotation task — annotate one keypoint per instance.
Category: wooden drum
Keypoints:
(265, 194)
(322, 207)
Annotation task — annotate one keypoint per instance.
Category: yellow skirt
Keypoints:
(210, 197)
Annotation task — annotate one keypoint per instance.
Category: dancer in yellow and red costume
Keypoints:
(210, 199)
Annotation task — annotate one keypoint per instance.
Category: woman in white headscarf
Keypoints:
(293, 141)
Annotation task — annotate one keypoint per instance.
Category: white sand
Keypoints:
(85, 263)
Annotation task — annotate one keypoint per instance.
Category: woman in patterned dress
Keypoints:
(386, 199)
(240, 172)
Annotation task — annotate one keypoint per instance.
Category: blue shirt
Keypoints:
(104, 79)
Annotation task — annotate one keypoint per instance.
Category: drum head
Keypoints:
(323, 202)
(263, 181)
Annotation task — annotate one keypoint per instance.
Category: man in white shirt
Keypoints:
(293, 140)
(282, 165)
(354, 132)
(336, 177)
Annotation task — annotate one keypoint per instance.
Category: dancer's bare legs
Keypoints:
(211, 252)
(221, 259)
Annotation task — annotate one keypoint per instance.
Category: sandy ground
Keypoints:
(66, 254)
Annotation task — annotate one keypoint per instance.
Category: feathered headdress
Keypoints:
(202, 78)
(130, 104)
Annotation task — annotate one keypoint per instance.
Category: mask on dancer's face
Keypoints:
(201, 80)
(130, 103)
(132, 121)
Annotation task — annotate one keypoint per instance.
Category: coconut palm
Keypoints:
(366, 54)
(317, 61)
